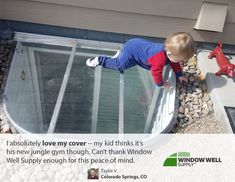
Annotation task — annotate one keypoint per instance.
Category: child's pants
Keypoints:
(133, 52)
(121, 61)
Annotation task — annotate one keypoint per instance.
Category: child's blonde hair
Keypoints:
(180, 44)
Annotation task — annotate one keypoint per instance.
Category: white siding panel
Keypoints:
(121, 16)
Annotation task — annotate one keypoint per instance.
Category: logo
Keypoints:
(181, 159)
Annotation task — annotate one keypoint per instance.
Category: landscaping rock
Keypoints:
(6, 54)
(195, 103)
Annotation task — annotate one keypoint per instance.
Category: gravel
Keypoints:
(204, 125)
(195, 114)
(6, 54)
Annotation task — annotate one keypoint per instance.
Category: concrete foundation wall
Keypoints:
(154, 18)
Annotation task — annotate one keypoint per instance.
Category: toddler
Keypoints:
(178, 47)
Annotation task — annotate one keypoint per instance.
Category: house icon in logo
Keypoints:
(172, 160)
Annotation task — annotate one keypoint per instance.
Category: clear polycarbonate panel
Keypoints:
(50, 70)
(138, 92)
(51, 89)
(75, 114)
(77, 107)
(108, 111)
(32, 87)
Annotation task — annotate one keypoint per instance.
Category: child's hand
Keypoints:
(183, 79)
(167, 85)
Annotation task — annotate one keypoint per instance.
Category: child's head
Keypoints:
(179, 46)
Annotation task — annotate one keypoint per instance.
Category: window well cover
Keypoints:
(47, 93)
(212, 17)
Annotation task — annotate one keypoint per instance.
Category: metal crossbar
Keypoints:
(96, 96)
(62, 91)
(121, 104)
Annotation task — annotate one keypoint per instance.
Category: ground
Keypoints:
(6, 54)
(205, 125)
(195, 112)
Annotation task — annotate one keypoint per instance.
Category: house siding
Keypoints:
(152, 18)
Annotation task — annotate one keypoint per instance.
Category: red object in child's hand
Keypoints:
(225, 66)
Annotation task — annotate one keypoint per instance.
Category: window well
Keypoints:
(51, 90)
